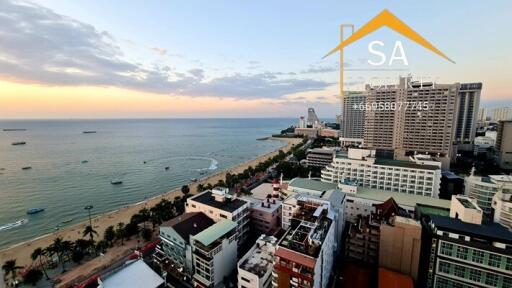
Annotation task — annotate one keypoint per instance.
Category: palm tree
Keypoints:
(89, 231)
(60, 248)
(185, 190)
(200, 188)
(144, 215)
(109, 235)
(10, 267)
(120, 232)
(38, 254)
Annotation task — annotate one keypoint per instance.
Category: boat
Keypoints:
(13, 225)
(116, 182)
(26, 168)
(19, 143)
(167, 168)
(35, 210)
(14, 129)
(67, 221)
(193, 179)
(88, 132)
(84, 161)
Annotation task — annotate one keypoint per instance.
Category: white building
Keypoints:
(218, 204)
(502, 113)
(482, 144)
(502, 203)
(483, 189)
(420, 175)
(214, 254)
(133, 275)
(255, 268)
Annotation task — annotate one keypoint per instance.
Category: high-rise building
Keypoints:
(483, 189)
(468, 102)
(482, 115)
(459, 251)
(319, 157)
(302, 122)
(504, 144)
(353, 117)
(218, 204)
(419, 176)
(417, 117)
(312, 121)
(255, 268)
(502, 113)
(305, 254)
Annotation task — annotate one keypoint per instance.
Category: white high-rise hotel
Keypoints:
(419, 176)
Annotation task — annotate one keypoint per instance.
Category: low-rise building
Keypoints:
(219, 205)
(502, 205)
(420, 175)
(459, 252)
(305, 254)
(255, 268)
(308, 132)
(175, 251)
(483, 189)
(214, 254)
(319, 157)
(265, 214)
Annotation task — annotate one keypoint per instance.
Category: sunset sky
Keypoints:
(162, 59)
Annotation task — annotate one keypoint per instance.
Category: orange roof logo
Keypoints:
(386, 18)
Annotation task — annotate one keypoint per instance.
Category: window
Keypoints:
(462, 252)
(444, 267)
(245, 279)
(478, 256)
(491, 279)
(508, 265)
(507, 282)
(494, 260)
(446, 248)
(459, 271)
(475, 275)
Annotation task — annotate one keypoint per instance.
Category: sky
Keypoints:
(167, 59)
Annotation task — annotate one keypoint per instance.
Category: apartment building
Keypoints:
(214, 253)
(218, 204)
(255, 268)
(175, 249)
(352, 129)
(426, 124)
(319, 157)
(482, 115)
(468, 108)
(418, 175)
(460, 252)
(504, 144)
(502, 114)
(400, 246)
(484, 188)
(265, 214)
(305, 254)
(502, 203)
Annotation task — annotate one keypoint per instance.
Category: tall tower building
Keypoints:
(353, 115)
(469, 103)
(482, 115)
(313, 120)
(412, 117)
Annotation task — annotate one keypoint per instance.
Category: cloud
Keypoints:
(40, 46)
(319, 69)
(161, 51)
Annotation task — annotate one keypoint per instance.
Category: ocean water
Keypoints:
(71, 170)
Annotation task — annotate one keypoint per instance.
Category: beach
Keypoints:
(21, 252)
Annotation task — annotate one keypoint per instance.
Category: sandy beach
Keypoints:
(21, 252)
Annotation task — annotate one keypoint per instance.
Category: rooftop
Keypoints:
(189, 224)
(400, 198)
(229, 205)
(311, 184)
(486, 230)
(266, 205)
(404, 164)
(261, 259)
(431, 210)
(134, 275)
(262, 190)
(214, 232)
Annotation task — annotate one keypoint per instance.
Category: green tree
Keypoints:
(38, 254)
(185, 190)
(32, 276)
(109, 235)
(121, 232)
(10, 268)
(146, 234)
(77, 255)
(89, 231)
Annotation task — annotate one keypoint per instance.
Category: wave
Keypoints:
(13, 225)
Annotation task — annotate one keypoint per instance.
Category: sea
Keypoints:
(71, 169)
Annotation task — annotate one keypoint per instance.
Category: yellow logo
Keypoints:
(385, 18)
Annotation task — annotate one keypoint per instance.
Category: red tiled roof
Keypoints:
(296, 257)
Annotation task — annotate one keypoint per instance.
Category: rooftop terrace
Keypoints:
(228, 205)
(260, 261)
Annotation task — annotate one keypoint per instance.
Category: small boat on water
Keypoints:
(14, 129)
(34, 210)
(166, 168)
(19, 143)
(116, 182)
(26, 168)
(84, 161)
(67, 221)
(88, 132)
(193, 179)
(13, 225)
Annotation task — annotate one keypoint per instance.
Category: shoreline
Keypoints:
(21, 251)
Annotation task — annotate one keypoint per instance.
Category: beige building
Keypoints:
(502, 114)
(466, 209)
(399, 246)
(353, 116)
(504, 144)
(265, 214)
